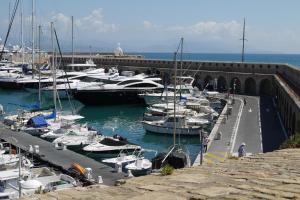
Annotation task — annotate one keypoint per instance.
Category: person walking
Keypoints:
(245, 102)
(242, 150)
(205, 143)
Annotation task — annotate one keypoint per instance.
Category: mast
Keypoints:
(181, 64)
(22, 36)
(243, 48)
(90, 52)
(39, 68)
(33, 35)
(53, 67)
(72, 39)
(174, 101)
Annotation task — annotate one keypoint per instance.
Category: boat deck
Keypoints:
(61, 158)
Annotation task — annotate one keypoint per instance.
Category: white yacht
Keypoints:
(141, 166)
(125, 91)
(110, 145)
(82, 66)
(184, 125)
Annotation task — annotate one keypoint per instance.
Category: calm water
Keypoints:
(293, 59)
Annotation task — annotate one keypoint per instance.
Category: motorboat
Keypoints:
(141, 166)
(124, 92)
(110, 146)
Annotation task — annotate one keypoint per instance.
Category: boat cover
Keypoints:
(51, 116)
(37, 122)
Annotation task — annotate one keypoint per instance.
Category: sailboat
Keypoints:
(177, 155)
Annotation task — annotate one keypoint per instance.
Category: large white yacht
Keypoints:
(125, 91)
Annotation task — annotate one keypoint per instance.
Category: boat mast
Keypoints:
(40, 31)
(33, 35)
(53, 67)
(181, 64)
(243, 48)
(22, 36)
(72, 39)
(174, 100)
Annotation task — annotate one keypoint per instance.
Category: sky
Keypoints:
(207, 26)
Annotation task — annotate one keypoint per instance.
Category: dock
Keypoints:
(60, 158)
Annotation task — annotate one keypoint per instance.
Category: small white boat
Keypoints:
(141, 166)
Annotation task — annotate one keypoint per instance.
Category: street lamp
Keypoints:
(20, 160)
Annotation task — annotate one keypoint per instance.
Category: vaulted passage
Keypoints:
(265, 87)
(222, 84)
(235, 86)
(250, 86)
(197, 82)
(208, 82)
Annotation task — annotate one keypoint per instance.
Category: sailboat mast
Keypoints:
(72, 39)
(243, 48)
(22, 34)
(53, 65)
(181, 64)
(40, 30)
(174, 101)
(33, 35)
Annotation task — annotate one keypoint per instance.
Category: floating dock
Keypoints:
(60, 158)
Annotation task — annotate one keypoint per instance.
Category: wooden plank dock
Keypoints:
(61, 158)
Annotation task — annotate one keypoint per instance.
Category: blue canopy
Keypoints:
(51, 116)
(37, 122)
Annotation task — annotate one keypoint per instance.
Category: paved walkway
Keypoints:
(63, 158)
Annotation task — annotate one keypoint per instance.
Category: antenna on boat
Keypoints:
(175, 75)
(243, 39)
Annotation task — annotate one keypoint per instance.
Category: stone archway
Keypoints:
(222, 84)
(208, 82)
(235, 85)
(197, 82)
(265, 87)
(250, 86)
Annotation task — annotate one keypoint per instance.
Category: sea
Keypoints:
(125, 120)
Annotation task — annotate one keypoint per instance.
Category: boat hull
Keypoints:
(108, 97)
(191, 131)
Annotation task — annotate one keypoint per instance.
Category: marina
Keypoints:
(71, 118)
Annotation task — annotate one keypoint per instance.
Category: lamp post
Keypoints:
(20, 160)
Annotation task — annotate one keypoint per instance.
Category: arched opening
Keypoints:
(235, 86)
(265, 87)
(208, 83)
(250, 86)
(222, 84)
(197, 82)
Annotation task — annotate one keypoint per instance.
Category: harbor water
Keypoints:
(124, 120)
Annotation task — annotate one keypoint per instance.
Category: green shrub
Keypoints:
(292, 142)
(167, 170)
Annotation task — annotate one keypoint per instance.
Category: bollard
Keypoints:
(118, 167)
(36, 149)
(64, 147)
(129, 174)
(100, 180)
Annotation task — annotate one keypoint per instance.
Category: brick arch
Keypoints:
(236, 85)
(222, 84)
(207, 80)
(250, 86)
(265, 87)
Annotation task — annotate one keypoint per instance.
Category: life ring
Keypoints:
(26, 162)
(79, 168)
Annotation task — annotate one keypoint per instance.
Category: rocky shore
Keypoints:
(274, 175)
